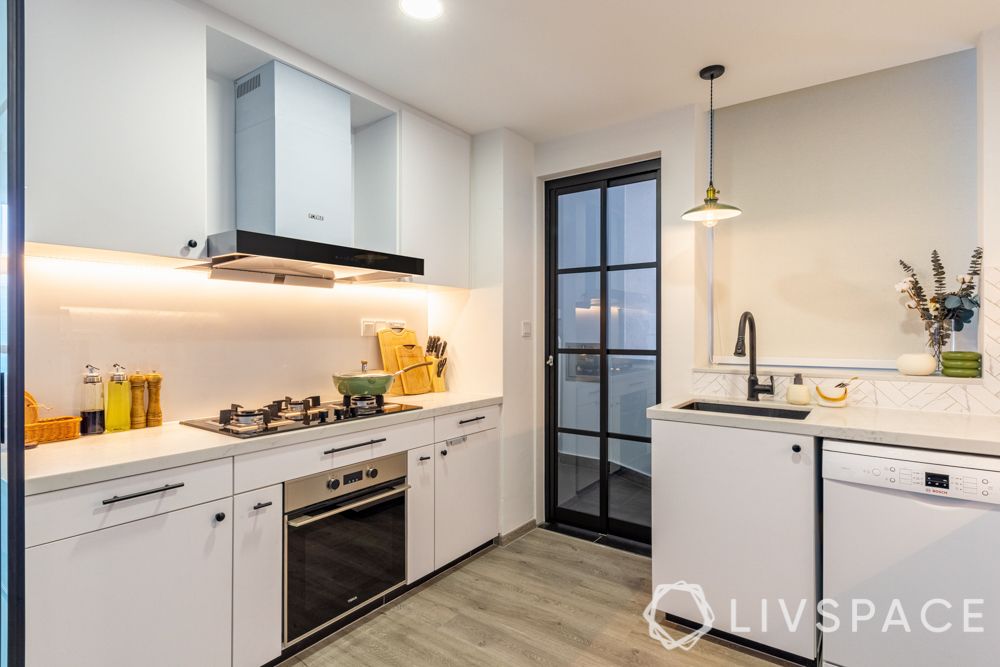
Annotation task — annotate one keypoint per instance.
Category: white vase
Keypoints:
(917, 364)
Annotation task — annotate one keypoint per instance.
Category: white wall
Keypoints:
(522, 433)
(215, 342)
(837, 182)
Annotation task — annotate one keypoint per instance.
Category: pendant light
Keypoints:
(711, 211)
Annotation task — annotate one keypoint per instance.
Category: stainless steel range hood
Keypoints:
(294, 188)
(255, 257)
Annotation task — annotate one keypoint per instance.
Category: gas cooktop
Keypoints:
(291, 415)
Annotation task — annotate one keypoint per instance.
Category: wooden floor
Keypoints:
(544, 599)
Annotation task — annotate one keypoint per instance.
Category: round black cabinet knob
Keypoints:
(373, 473)
(444, 452)
(796, 448)
(192, 243)
(221, 516)
(333, 484)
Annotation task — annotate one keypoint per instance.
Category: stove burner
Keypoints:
(288, 414)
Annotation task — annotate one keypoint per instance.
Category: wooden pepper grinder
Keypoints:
(138, 413)
(154, 413)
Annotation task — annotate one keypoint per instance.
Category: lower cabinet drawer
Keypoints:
(274, 466)
(82, 509)
(466, 422)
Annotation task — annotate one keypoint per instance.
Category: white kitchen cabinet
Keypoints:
(115, 98)
(466, 494)
(434, 199)
(420, 513)
(154, 592)
(734, 511)
(257, 576)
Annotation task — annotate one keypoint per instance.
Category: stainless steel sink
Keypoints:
(743, 409)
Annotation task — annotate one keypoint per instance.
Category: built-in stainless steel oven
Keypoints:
(345, 542)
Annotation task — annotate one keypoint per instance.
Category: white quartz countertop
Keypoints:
(87, 460)
(962, 433)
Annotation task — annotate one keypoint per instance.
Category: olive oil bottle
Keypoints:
(119, 401)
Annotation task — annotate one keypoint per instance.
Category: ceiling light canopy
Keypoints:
(423, 10)
(712, 211)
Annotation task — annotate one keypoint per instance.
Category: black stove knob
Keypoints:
(333, 484)
(372, 473)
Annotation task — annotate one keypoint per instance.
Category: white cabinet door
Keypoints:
(734, 511)
(154, 592)
(257, 576)
(434, 180)
(420, 513)
(466, 494)
(117, 136)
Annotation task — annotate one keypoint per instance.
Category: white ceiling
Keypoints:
(547, 68)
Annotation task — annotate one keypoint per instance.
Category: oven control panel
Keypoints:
(916, 477)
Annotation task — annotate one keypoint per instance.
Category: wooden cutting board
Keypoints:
(417, 381)
(388, 341)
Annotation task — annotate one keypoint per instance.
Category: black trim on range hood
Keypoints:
(228, 250)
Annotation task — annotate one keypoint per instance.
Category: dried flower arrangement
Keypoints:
(943, 311)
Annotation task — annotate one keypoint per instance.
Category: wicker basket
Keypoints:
(40, 431)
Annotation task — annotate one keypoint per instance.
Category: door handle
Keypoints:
(463, 422)
(456, 441)
(305, 519)
(550, 361)
(425, 458)
(260, 506)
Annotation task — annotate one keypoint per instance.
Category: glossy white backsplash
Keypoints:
(215, 342)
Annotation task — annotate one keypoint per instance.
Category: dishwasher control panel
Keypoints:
(913, 476)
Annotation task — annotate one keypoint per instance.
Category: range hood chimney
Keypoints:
(294, 188)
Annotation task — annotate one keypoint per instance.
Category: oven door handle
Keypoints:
(305, 520)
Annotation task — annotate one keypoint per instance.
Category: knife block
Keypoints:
(437, 383)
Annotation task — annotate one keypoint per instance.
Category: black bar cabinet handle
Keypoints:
(425, 458)
(260, 506)
(140, 494)
(360, 444)
(469, 421)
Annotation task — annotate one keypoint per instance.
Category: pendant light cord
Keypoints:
(711, 131)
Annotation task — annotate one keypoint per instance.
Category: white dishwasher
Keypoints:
(911, 557)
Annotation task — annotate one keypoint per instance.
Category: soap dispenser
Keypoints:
(92, 411)
(798, 393)
(119, 406)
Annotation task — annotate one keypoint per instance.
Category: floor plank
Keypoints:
(545, 600)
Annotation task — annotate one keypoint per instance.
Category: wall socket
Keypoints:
(371, 327)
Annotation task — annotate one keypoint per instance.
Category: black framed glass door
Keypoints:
(603, 346)
(11, 337)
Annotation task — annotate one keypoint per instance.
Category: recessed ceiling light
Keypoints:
(424, 10)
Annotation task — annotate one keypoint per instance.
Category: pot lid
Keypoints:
(364, 372)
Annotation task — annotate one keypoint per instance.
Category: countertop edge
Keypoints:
(222, 446)
(946, 432)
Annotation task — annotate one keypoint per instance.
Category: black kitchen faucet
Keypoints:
(754, 387)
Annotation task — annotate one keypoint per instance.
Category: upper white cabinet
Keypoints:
(115, 108)
(434, 181)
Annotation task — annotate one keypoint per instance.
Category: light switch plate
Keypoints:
(525, 328)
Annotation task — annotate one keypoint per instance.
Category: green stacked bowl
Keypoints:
(961, 364)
